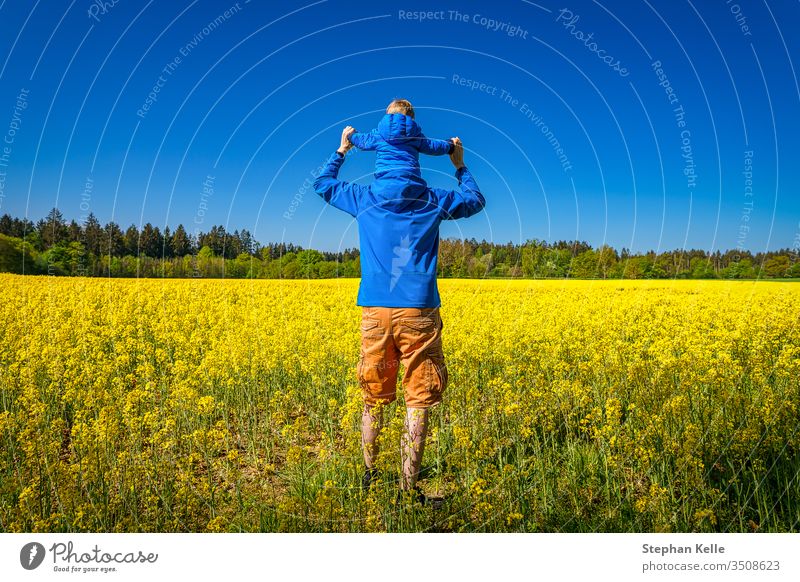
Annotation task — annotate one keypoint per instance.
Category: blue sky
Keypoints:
(251, 98)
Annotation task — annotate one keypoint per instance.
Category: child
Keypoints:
(398, 141)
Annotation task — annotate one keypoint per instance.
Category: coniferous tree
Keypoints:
(181, 243)
(132, 241)
(113, 240)
(93, 235)
(52, 229)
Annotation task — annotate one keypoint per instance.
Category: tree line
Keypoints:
(57, 247)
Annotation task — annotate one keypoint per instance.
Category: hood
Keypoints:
(396, 127)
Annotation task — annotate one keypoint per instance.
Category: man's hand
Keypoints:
(457, 155)
(345, 145)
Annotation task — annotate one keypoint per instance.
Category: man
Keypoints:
(399, 238)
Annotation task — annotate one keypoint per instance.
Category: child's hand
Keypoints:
(345, 144)
(457, 155)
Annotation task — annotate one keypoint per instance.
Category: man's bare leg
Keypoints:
(371, 421)
(413, 446)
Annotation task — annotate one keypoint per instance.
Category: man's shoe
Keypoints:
(370, 475)
(417, 495)
(414, 495)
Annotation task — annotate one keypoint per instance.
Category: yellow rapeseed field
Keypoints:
(232, 405)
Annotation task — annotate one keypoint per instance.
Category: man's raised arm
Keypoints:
(466, 201)
(339, 194)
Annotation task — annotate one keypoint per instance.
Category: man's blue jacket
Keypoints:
(399, 233)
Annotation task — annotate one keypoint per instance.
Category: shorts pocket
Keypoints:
(372, 369)
(371, 328)
(439, 376)
(368, 324)
(422, 324)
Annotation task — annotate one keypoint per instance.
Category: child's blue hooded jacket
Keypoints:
(397, 142)
(398, 228)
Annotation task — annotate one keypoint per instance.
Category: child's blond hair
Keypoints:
(401, 106)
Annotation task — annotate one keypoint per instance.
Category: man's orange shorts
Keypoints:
(410, 336)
